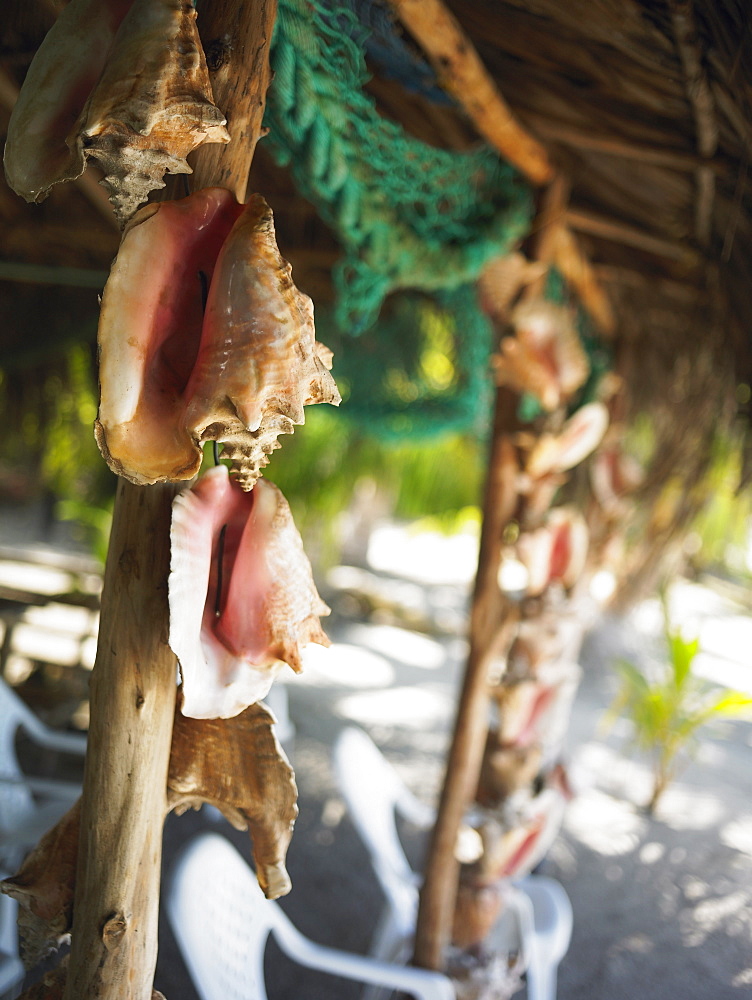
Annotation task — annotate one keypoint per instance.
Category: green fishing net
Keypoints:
(412, 219)
(423, 369)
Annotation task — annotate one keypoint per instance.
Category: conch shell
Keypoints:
(501, 281)
(149, 333)
(556, 552)
(123, 81)
(171, 377)
(517, 836)
(259, 363)
(505, 770)
(261, 795)
(580, 435)
(241, 593)
(613, 475)
(553, 635)
(545, 357)
(536, 710)
(61, 75)
(152, 105)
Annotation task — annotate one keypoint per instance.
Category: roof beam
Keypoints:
(461, 72)
(608, 145)
(631, 236)
(703, 109)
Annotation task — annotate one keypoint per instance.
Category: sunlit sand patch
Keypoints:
(602, 765)
(407, 647)
(37, 579)
(341, 663)
(652, 852)
(604, 824)
(428, 557)
(686, 808)
(729, 914)
(403, 706)
(738, 834)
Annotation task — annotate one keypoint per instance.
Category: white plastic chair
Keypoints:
(552, 919)
(375, 795)
(11, 967)
(222, 923)
(29, 806)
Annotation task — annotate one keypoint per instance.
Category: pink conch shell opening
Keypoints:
(556, 552)
(173, 377)
(545, 357)
(123, 81)
(241, 593)
(149, 334)
(613, 475)
(525, 838)
(536, 710)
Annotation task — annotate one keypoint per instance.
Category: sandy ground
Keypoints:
(662, 905)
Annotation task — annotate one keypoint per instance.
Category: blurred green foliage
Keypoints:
(721, 531)
(319, 467)
(48, 449)
(718, 537)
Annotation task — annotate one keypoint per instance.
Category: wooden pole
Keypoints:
(490, 614)
(133, 687)
(462, 73)
(553, 243)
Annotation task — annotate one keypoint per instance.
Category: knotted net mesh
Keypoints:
(412, 219)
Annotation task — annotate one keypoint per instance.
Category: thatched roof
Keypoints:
(643, 108)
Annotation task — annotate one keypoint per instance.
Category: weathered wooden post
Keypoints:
(134, 681)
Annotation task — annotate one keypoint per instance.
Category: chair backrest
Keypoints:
(15, 795)
(375, 795)
(11, 967)
(215, 908)
(17, 803)
(538, 919)
(222, 922)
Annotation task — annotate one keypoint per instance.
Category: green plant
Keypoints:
(96, 521)
(666, 712)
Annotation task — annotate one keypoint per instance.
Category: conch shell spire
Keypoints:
(152, 105)
(259, 363)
